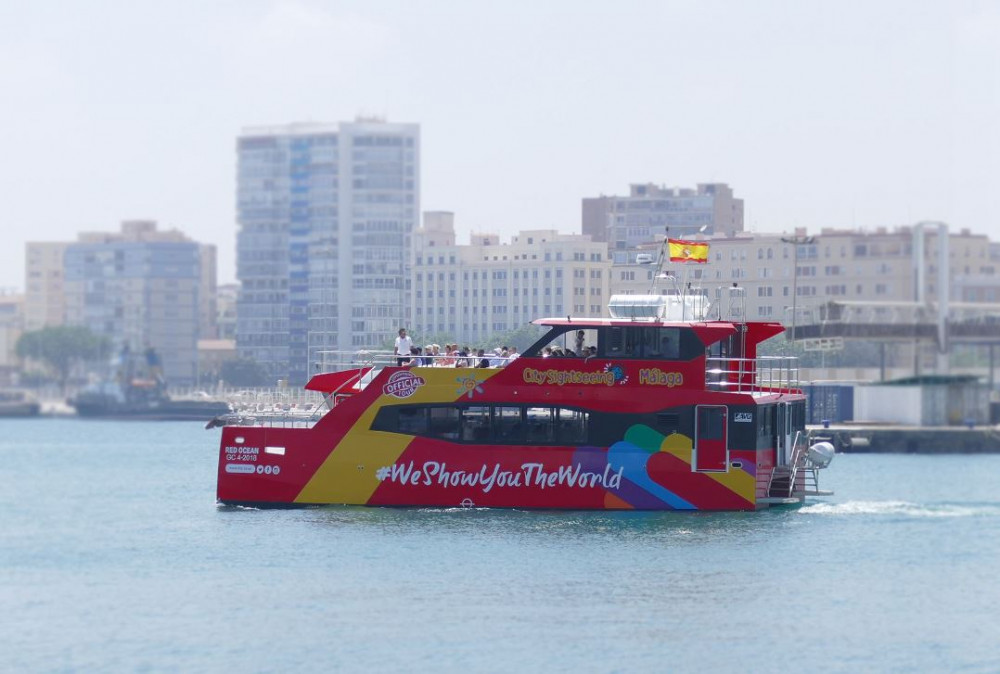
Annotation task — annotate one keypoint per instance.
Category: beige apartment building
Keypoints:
(44, 276)
(471, 292)
(873, 267)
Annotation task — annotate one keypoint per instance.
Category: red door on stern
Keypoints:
(711, 439)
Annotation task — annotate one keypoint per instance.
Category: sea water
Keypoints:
(115, 557)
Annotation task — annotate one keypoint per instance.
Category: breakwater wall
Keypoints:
(861, 438)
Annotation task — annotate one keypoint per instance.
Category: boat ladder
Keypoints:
(781, 486)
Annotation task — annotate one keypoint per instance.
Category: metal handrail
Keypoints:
(796, 458)
(766, 373)
(792, 467)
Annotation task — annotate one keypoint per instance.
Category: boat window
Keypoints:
(507, 427)
(413, 421)
(643, 342)
(566, 342)
(798, 415)
(570, 426)
(623, 343)
(445, 422)
(711, 423)
(476, 424)
(481, 424)
(662, 343)
(540, 425)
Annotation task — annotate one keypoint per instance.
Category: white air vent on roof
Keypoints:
(659, 307)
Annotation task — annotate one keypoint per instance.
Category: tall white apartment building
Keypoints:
(325, 214)
(471, 292)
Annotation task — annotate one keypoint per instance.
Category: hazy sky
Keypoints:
(818, 114)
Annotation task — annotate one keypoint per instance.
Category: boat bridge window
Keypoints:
(650, 342)
(488, 424)
(565, 341)
(643, 342)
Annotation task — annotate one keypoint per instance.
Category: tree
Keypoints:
(244, 372)
(61, 347)
(521, 337)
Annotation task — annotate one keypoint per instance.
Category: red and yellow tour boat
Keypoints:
(663, 408)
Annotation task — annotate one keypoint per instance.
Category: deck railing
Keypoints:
(752, 375)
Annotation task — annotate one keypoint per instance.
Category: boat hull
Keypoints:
(645, 470)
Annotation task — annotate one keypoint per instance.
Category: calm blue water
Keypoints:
(114, 557)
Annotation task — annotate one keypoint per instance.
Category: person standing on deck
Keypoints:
(402, 347)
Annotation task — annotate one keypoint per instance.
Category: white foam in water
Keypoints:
(903, 508)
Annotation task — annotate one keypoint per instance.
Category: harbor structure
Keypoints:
(473, 291)
(325, 215)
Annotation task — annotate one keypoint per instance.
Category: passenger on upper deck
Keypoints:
(402, 347)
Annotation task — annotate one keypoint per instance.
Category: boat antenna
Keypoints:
(661, 259)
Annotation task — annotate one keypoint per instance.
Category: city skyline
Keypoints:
(816, 116)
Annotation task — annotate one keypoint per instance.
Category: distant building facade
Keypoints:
(225, 311)
(44, 276)
(626, 222)
(12, 308)
(472, 292)
(139, 287)
(876, 266)
(325, 215)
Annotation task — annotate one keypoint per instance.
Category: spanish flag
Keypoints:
(688, 251)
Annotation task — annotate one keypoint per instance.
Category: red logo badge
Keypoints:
(402, 384)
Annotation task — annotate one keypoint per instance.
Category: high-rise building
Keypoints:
(625, 223)
(141, 288)
(325, 214)
(45, 297)
(471, 292)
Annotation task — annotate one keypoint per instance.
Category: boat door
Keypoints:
(783, 435)
(711, 438)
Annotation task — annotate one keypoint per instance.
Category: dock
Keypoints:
(891, 439)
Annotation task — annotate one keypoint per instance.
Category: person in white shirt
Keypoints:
(402, 347)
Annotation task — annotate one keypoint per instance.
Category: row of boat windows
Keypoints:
(632, 342)
(482, 424)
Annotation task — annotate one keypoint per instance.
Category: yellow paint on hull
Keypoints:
(348, 474)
